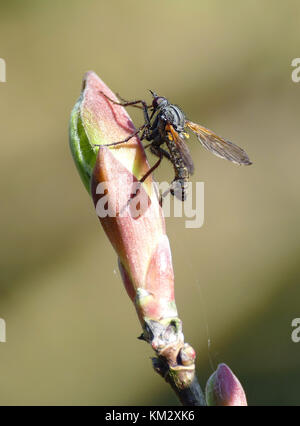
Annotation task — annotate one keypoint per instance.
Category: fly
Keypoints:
(166, 127)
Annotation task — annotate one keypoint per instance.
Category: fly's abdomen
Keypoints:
(180, 183)
(179, 189)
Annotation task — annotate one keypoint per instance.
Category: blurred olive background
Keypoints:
(71, 329)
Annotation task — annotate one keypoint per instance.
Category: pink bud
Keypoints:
(135, 226)
(140, 241)
(224, 389)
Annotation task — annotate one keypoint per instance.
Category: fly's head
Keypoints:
(158, 102)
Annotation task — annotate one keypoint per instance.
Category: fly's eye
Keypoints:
(155, 102)
(158, 101)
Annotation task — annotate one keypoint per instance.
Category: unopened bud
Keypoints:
(224, 389)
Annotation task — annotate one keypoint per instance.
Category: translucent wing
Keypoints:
(182, 148)
(218, 146)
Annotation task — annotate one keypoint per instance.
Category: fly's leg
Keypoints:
(177, 189)
(124, 101)
(126, 139)
(157, 150)
(159, 153)
(132, 103)
(144, 127)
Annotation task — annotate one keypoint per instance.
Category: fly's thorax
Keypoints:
(173, 115)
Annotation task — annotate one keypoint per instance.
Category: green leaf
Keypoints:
(84, 153)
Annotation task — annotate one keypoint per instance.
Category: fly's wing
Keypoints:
(218, 146)
(182, 148)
